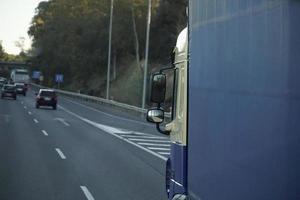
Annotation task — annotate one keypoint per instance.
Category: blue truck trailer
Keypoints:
(235, 126)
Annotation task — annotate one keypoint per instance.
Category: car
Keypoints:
(46, 97)
(9, 90)
(21, 88)
(3, 81)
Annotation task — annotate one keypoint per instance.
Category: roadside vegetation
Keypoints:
(5, 57)
(71, 37)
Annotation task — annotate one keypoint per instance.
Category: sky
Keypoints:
(15, 18)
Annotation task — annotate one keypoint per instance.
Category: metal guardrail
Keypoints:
(99, 100)
(95, 99)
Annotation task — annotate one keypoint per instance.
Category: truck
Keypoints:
(235, 127)
(20, 76)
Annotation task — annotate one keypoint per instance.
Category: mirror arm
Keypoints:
(162, 131)
(165, 69)
(158, 124)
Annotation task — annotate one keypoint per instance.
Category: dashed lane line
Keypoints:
(60, 153)
(45, 132)
(87, 193)
(35, 121)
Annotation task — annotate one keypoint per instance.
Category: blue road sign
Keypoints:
(59, 78)
(36, 74)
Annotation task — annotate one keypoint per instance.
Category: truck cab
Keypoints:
(176, 167)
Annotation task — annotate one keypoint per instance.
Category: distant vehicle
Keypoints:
(46, 97)
(20, 76)
(21, 88)
(2, 81)
(9, 91)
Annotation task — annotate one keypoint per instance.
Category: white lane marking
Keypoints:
(45, 132)
(110, 115)
(87, 193)
(62, 121)
(146, 140)
(164, 153)
(22, 102)
(146, 137)
(60, 153)
(110, 130)
(29, 113)
(126, 133)
(159, 148)
(157, 145)
(25, 107)
(36, 121)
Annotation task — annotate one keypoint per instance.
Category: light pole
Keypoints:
(146, 54)
(109, 49)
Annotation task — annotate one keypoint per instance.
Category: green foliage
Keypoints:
(71, 36)
(22, 57)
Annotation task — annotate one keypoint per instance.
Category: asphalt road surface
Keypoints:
(79, 151)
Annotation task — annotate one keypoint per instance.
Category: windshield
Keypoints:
(9, 87)
(47, 94)
(22, 73)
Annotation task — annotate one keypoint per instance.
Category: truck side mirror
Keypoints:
(158, 89)
(155, 115)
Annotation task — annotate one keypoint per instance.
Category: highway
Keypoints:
(79, 151)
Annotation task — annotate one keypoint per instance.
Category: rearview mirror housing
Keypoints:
(155, 115)
(158, 89)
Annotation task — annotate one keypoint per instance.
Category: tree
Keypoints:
(71, 36)
(2, 52)
(21, 44)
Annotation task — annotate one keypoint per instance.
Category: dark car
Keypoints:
(46, 97)
(9, 91)
(21, 88)
(3, 81)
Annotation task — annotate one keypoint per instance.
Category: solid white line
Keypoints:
(141, 136)
(110, 115)
(158, 148)
(36, 121)
(113, 134)
(45, 133)
(60, 153)
(87, 193)
(164, 153)
(29, 113)
(151, 144)
(146, 140)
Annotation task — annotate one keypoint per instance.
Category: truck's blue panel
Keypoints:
(244, 100)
